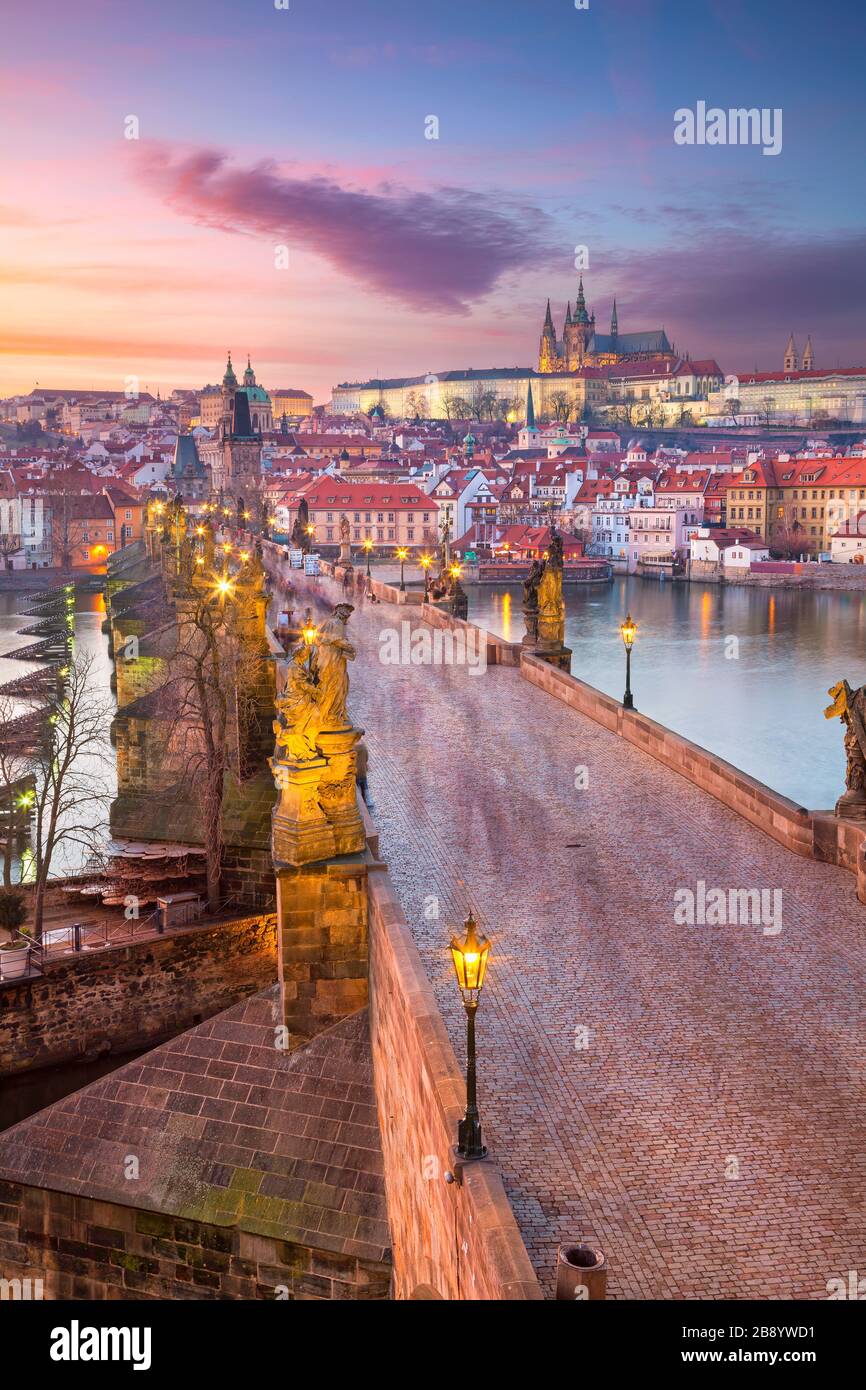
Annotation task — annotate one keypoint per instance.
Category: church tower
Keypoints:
(808, 356)
(227, 398)
(791, 355)
(614, 324)
(578, 333)
(547, 356)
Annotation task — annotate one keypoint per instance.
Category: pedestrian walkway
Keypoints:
(690, 1097)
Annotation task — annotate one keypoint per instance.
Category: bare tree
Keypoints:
(71, 770)
(456, 408)
(562, 406)
(210, 702)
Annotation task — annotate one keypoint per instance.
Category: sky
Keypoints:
(281, 197)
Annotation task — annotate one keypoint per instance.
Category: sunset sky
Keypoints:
(306, 128)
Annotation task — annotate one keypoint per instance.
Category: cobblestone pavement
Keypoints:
(710, 1135)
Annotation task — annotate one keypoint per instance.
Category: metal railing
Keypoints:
(79, 937)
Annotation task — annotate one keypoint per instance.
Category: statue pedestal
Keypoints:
(345, 553)
(317, 815)
(550, 643)
(337, 789)
(300, 830)
(852, 806)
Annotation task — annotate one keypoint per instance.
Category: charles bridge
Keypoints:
(687, 1099)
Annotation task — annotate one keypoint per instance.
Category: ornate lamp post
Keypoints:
(426, 562)
(402, 556)
(470, 963)
(629, 632)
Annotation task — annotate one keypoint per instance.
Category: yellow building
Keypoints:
(286, 401)
(493, 393)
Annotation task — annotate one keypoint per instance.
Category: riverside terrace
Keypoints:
(690, 1098)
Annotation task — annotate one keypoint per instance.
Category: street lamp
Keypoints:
(470, 963)
(310, 634)
(368, 547)
(629, 632)
(426, 562)
(402, 555)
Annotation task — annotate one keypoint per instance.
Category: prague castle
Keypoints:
(582, 346)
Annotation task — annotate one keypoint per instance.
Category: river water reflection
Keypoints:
(89, 615)
(757, 701)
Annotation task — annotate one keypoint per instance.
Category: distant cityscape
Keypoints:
(644, 456)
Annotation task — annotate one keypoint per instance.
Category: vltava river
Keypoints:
(71, 855)
(760, 707)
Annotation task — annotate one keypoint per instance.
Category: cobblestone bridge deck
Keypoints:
(711, 1133)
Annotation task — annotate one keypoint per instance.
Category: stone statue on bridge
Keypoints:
(333, 653)
(544, 606)
(530, 602)
(849, 706)
(298, 716)
(317, 815)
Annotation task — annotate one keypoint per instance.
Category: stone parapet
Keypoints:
(791, 825)
(454, 1240)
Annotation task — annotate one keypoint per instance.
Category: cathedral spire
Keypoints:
(568, 313)
(614, 326)
(580, 314)
(548, 320)
(808, 355)
(530, 409)
(791, 355)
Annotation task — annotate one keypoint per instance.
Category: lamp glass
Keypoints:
(470, 957)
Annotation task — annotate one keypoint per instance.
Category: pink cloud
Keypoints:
(438, 250)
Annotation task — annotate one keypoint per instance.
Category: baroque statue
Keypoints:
(334, 651)
(317, 689)
(317, 816)
(298, 716)
(530, 601)
(849, 706)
